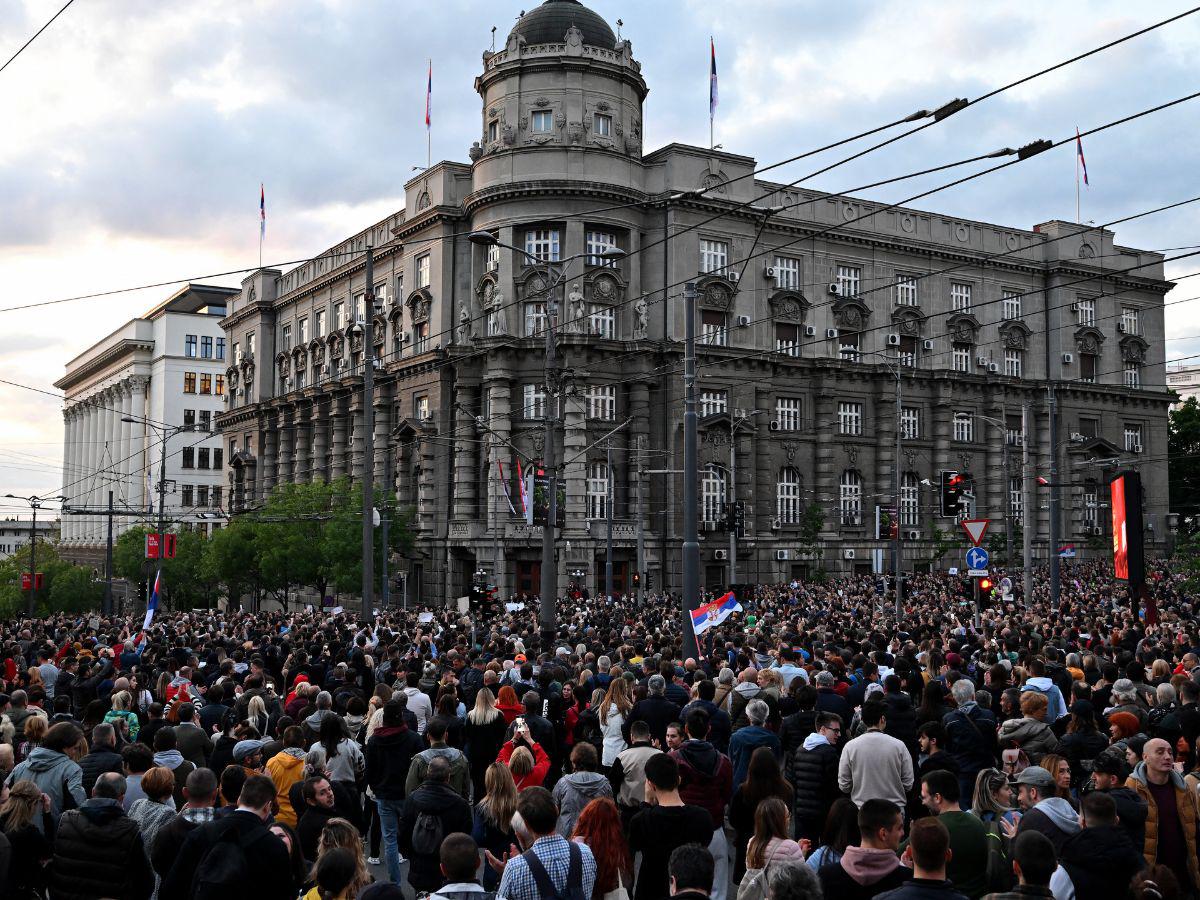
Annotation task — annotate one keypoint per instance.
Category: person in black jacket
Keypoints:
(1101, 860)
(434, 797)
(268, 872)
(98, 851)
(389, 754)
(814, 768)
(798, 726)
(829, 700)
(901, 717)
(656, 711)
(970, 736)
(1109, 771)
(103, 757)
(317, 809)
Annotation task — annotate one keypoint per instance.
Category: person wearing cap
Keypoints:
(1109, 772)
(1042, 810)
(248, 754)
(1172, 816)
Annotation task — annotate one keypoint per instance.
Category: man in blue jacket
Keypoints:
(746, 740)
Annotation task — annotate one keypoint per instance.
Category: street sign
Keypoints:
(977, 558)
(152, 545)
(31, 580)
(954, 570)
(975, 529)
(1006, 586)
(977, 573)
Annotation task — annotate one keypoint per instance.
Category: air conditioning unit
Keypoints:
(835, 289)
(893, 340)
(927, 345)
(1136, 448)
(769, 273)
(774, 426)
(912, 535)
(831, 333)
(981, 361)
(1068, 358)
(810, 331)
(993, 368)
(743, 321)
(1120, 327)
(776, 524)
(733, 275)
(720, 554)
(782, 555)
(1096, 530)
(848, 553)
(1074, 307)
(427, 419)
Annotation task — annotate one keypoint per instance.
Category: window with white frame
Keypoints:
(906, 289)
(848, 343)
(787, 413)
(541, 121)
(850, 418)
(597, 243)
(602, 320)
(602, 402)
(1133, 375)
(319, 323)
(910, 423)
(787, 273)
(1010, 303)
(535, 319)
(960, 296)
(1016, 497)
(849, 279)
(787, 496)
(541, 244)
(493, 131)
(597, 490)
(713, 403)
(602, 125)
(712, 494)
(1091, 504)
(339, 315)
(285, 338)
(302, 331)
(850, 497)
(1133, 438)
(1014, 362)
(960, 357)
(423, 271)
(910, 499)
(713, 328)
(964, 426)
(491, 260)
(360, 307)
(1088, 367)
(533, 401)
(421, 408)
(714, 256)
(301, 377)
(1085, 311)
(420, 337)
(787, 338)
(1129, 320)
(907, 351)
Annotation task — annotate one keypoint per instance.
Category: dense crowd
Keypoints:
(816, 746)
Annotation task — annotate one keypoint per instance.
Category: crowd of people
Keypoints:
(816, 746)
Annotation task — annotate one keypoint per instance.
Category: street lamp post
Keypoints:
(735, 422)
(894, 365)
(691, 536)
(35, 503)
(1007, 504)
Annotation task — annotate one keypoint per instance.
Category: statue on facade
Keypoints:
(641, 318)
(577, 311)
(499, 313)
(464, 323)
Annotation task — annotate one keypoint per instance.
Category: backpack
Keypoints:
(546, 890)
(999, 866)
(224, 870)
(427, 834)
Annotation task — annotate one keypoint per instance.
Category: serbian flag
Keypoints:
(153, 604)
(262, 211)
(712, 80)
(429, 97)
(712, 614)
(1082, 161)
(504, 486)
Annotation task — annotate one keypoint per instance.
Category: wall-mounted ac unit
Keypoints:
(810, 331)
(1136, 448)
(981, 361)
(769, 273)
(1097, 530)
(1068, 358)
(912, 536)
(1120, 327)
(848, 553)
(893, 340)
(1075, 307)
(783, 554)
(720, 554)
(831, 333)
(774, 425)
(835, 289)
(743, 321)
(927, 345)
(733, 275)
(993, 368)
(776, 524)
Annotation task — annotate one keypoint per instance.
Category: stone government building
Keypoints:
(797, 347)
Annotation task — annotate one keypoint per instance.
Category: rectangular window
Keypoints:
(910, 499)
(602, 402)
(216, 464)
(189, 345)
(597, 243)
(1133, 375)
(189, 419)
(206, 420)
(535, 319)
(189, 382)
(220, 348)
(713, 403)
(964, 426)
(848, 346)
(960, 357)
(910, 423)
(185, 496)
(1091, 503)
(202, 495)
(1013, 362)
(360, 307)
(339, 315)
(219, 386)
(534, 402)
(1087, 367)
(1016, 497)
(597, 490)
(420, 337)
(849, 280)
(491, 260)
(206, 346)
(850, 498)
(251, 344)
(302, 331)
(1085, 312)
(1089, 428)
(1014, 431)
(1010, 302)
(1133, 438)
(850, 418)
(493, 130)
(602, 321)
(205, 383)
(906, 290)
(541, 121)
(712, 327)
(319, 323)
(285, 337)
(714, 256)
(215, 498)
(907, 351)
(787, 413)
(787, 338)
(787, 273)
(602, 125)
(237, 353)
(421, 408)
(960, 296)
(189, 458)
(423, 271)
(541, 245)
(1129, 320)
(301, 377)
(202, 458)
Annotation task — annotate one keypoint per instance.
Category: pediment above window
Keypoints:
(964, 328)
(1089, 339)
(850, 313)
(604, 286)
(534, 283)
(789, 306)
(1134, 349)
(908, 321)
(1015, 335)
(715, 292)
(419, 304)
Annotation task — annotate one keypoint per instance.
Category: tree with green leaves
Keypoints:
(66, 587)
(1183, 467)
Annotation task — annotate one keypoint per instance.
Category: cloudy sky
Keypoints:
(136, 133)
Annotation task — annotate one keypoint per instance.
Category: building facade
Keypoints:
(809, 306)
(164, 370)
(1184, 380)
(15, 533)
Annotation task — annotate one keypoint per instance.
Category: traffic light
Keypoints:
(637, 580)
(739, 518)
(949, 490)
(985, 585)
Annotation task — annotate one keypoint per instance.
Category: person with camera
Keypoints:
(525, 757)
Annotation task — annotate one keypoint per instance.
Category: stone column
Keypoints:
(825, 477)
(499, 410)
(355, 462)
(128, 454)
(428, 487)
(466, 456)
(319, 464)
(575, 439)
(383, 434)
(287, 437)
(139, 405)
(885, 452)
(69, 447)
(337, 415)
(269, 461)
(88, 477)
(994, 482)
(302, 457)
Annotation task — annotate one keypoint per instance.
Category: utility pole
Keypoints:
(1006, 494)
(897, 564)
(1027, 509)
(385, 587)
(1055, 574)
(107, 608)
(641, 531)
(608, 516)
(368, 464)
(691, 537)
(549, 587)
(33, 559)
(731, 516)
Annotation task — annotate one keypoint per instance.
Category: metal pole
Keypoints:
(641, 532)
(368, 462)
(108, 562)
(1008, 525)
(608, 516)
(691, 538)
(385, 585)
(1055, 575)
(1027, 509)
(162, 502)
(549, 586)
(495, 470)
(897, 564)
(731, 514)
(33, 558)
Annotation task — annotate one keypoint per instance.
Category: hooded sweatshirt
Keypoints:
(863, 872)
(743, 693)
(1043, 685)
(286, 768)
(56, 775)
(573, 792)
(1055, 818)
(816, 739)
(171, 759)
(705, 778)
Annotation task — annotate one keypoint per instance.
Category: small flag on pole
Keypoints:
(712, 614)
(1082, 161)
(152, 606)
(429, 97)
(262, 211)
(712, 81)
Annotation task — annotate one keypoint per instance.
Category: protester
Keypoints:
(872, 867)
(549, 862)
(664, 825)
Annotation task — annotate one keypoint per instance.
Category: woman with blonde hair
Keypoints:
(483, 736)
(31, 849)
(256, 715)
(35, 729)
(122, 718)
(613, 712)
(1030, 733)
(341, 833)
(525, 758)
(493, 817)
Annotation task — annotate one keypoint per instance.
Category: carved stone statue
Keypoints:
(577, 311)
(499, 313)
(641, 319)
(464, 323)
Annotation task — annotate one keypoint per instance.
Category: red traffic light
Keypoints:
(985, 584)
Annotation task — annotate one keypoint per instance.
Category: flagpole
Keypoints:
(1078, 218)
(429, 117)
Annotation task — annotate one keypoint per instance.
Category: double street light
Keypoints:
(552, 373)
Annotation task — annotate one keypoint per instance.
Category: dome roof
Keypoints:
(548, 24)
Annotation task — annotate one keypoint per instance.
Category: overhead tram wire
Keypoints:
(35, 36)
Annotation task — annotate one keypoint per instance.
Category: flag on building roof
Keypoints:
(262, 211)
(712, 80)
(712, 614)
(1082, 161)
(429, 97)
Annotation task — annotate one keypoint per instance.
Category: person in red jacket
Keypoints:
(706, 780)
(525, 757)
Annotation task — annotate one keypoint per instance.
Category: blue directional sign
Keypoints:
(977, 558)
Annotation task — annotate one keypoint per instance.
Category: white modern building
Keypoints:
(1184, 380)
(166, 372)
(14, 533)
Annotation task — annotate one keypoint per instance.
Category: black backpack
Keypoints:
(224, 870)
(546, 890)
(427, 834)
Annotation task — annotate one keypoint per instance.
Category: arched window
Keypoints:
(910, 499)
(597, 490)
(851, 497)
(712, 494)
(787, 496)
